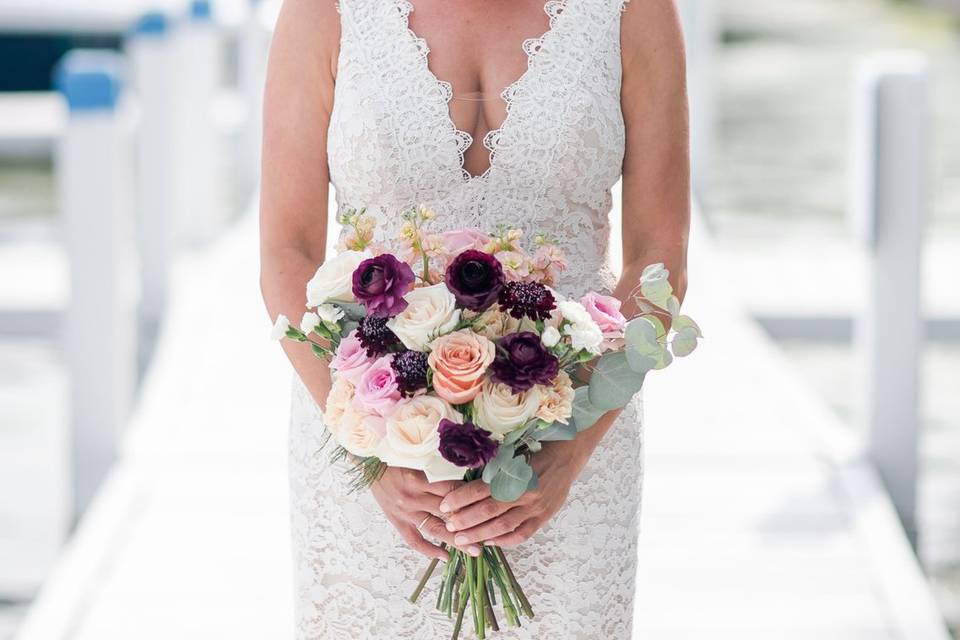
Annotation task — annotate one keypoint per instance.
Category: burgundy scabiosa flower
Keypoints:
(522, 362)
(475, 279)
(530, 299)
(379, 284)
(466, 445)
(411, 369)
(375, 336)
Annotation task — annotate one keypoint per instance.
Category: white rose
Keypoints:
(550, 337)
(279, 330)
(329, 313)
(574, 312)
(309, 322)
(431, 312)
(360, 433)
(499, 410)
(585, 335)
(412, 437)
(334, 279)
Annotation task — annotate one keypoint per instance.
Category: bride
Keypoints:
(487, 112)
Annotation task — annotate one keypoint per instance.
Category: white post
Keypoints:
(254, 43)
(890, 206)
(94, 175)
(153, 67)
(700, 35)
(200, 193)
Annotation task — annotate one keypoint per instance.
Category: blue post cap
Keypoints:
(153, 23)
(201, 10)
(89, 79)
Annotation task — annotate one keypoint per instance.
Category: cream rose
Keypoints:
(500, 411)
(339, 400)
(556, 401)
(459, 361)
(412, 438)
(334, 279)
(431, 312)
(360, 433)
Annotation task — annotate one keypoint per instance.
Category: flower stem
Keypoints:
(423, 580)
(517, 590)
(499, 576)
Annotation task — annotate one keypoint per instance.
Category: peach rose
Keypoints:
(361, 433)
(459, 361)
(556, 401)
(339, 399)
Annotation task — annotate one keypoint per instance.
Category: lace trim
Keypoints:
(462, 139)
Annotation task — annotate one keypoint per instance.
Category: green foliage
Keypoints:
(614, 382)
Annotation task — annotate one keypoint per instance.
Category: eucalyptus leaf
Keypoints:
(685, 340)
(514, 436)
(585, 415)
(346, 326)
(534, 482)
(556, 432)
(352, 310)
(644, 351)
(511, 480)
(614, 382)
(504, 453)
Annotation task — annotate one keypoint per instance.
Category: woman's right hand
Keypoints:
(407, 500)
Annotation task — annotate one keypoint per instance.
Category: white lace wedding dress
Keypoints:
(393, 144)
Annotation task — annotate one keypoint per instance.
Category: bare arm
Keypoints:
(656, 212)
(293, 200)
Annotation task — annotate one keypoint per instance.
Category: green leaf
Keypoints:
(685, 340)
(555, 432)
(504, 453)
(614, 382)
(644, 351)
(514, 436)
(346, 326)
(585, 415)
(352, 310)
(534, 482)
(511, 480)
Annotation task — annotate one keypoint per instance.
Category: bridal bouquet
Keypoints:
(455, 356)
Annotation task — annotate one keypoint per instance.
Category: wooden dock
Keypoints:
(758, 520)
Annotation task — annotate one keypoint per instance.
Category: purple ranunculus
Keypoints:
(475, 279)
(379, 284)
(522, 362)
(466, 445)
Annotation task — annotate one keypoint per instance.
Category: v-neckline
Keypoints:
(463, 140)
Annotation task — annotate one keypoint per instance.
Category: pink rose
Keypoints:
(351, 360)
(605, 311)
(456, 242)
(377, 390)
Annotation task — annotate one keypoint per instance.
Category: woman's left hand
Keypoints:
(475, 517)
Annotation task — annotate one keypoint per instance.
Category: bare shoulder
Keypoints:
(307, 38)
(651, 38)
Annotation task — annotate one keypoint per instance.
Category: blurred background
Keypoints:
(812, 492)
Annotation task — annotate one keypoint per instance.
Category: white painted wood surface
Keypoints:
(891, 199)
(757, 522)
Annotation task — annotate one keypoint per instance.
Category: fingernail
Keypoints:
(444, 507)
(460, 540)
(450, 527)
(474, 551)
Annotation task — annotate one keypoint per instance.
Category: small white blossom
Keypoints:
(309, 322)
(330, 314)
(574, 312)
(585, 336)
(550, 337)
(280, 327)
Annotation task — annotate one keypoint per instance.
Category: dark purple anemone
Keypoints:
(522, 362)
(380, 283)
(475, 279)
(466, 445)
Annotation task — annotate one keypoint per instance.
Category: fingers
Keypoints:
(519, 535)
(477, 513)
(465, 495)
(441, 488)
(417, 542)
(435, 529)
(493, 529)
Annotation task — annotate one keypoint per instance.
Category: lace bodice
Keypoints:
(392, 143)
